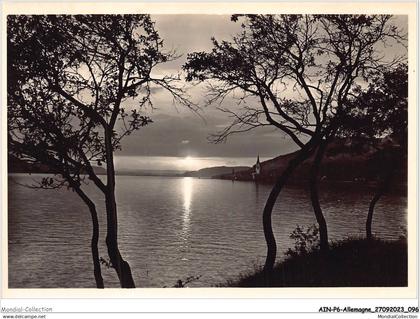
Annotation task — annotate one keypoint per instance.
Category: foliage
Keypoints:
(293, 72)
(106, 262)
(183, 283)
(379, 110)
(376, 118)
(351, 262)
(306, 240)
(69, 78)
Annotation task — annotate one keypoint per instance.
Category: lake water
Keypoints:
(173, 228)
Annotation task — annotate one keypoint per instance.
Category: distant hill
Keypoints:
(343, 161)
(17, 165)
(149, 172)
(215, 171)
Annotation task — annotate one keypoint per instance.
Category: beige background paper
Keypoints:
(401, 8)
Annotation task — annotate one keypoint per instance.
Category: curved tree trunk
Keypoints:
(303, 154)
(313, 185)
(92, 209)
(383, 187)
(369, 218)
(120, 265)
(95, 237)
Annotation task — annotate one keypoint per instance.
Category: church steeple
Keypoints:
(258, 166)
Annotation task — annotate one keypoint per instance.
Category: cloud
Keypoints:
(184, 134)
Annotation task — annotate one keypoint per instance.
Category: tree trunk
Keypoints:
(120, 265)
(303, 154)
(95, 237)
(313, 185)
(383, 187)
(369, 218)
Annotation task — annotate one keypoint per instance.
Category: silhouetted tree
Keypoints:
(293, 72)
(68, 80)
(380, 112)
(71, 176)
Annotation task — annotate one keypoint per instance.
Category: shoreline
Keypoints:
(351, 262)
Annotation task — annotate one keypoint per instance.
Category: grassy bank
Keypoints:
(349, 263)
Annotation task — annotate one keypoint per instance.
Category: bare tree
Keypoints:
(69, 78)
(294, 73)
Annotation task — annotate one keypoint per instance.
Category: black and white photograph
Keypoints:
(207, 150)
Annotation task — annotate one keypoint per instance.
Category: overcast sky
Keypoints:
(177, 131)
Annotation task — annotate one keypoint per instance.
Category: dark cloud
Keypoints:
(178, 132)
(186, 135)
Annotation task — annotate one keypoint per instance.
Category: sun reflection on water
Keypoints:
(187, 187)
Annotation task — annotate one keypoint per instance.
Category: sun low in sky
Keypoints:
(178, 163)
(189, 163)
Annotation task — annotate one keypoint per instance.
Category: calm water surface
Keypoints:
(173, 228)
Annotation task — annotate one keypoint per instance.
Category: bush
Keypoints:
(305, 240)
